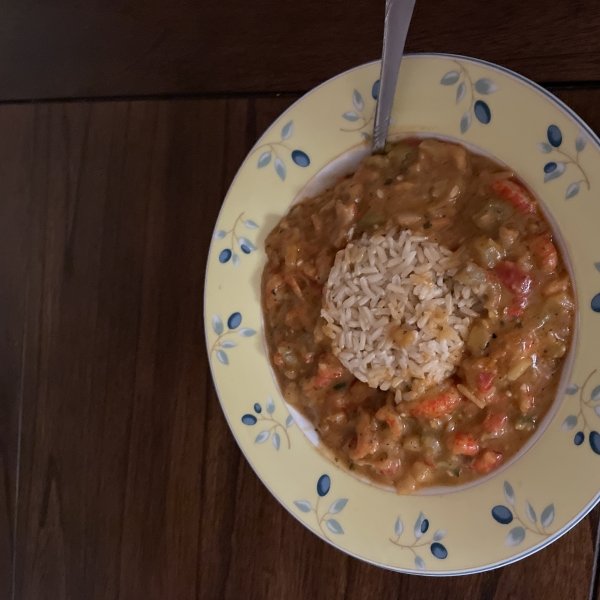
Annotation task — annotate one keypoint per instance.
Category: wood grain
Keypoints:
(131, 485)
(68, 48)
(15, 168)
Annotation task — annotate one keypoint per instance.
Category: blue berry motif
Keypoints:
(467, 92)
(420, 528)
(300, 158)
(587, 415)
(276, 430)
(568, 162)
(223, 341)
(276, 152)
(505, 516)
(323, 516)
(225, 255)
(232, 237)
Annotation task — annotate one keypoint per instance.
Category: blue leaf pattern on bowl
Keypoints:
(572, 190)
(217, 324)
(505, 516)
(555, 169)
(465, 122)
(485, 86)
(275, 428)
(303, 505)
(509, 493)
(469, 89)
(450, 78)
(264, 159)
(360, 115)
(338, 506)
(232, 238)
(515, 536)
(247, 332)
(421, 540)
(357, 100)
(280, 168)
(333, 526)
(223, 341)
(263, 436)
(286, 130)
(276, 440)
(276, 151)
(586, 420)
(222, 357)
(325, 522)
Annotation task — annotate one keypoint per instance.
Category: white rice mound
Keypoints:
(396, 313)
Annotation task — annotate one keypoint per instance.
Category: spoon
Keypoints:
(397, 19)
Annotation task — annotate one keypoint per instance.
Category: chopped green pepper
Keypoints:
(370, 220)
(525, 423)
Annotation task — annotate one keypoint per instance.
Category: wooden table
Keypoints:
(121, 126)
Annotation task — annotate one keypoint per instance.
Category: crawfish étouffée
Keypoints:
(511, 365)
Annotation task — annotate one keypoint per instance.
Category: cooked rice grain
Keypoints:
(396, 313)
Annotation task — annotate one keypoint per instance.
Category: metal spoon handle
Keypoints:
(397, 19)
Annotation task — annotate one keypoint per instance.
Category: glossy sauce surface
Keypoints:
(507, 379)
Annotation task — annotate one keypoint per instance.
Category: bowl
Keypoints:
(555, 480)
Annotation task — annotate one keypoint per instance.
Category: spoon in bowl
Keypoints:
(397, 19)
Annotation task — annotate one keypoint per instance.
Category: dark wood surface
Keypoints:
(119, 478)
(70, 48)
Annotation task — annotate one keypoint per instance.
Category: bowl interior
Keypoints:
(347, 163)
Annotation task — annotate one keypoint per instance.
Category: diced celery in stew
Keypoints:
(512, 359)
